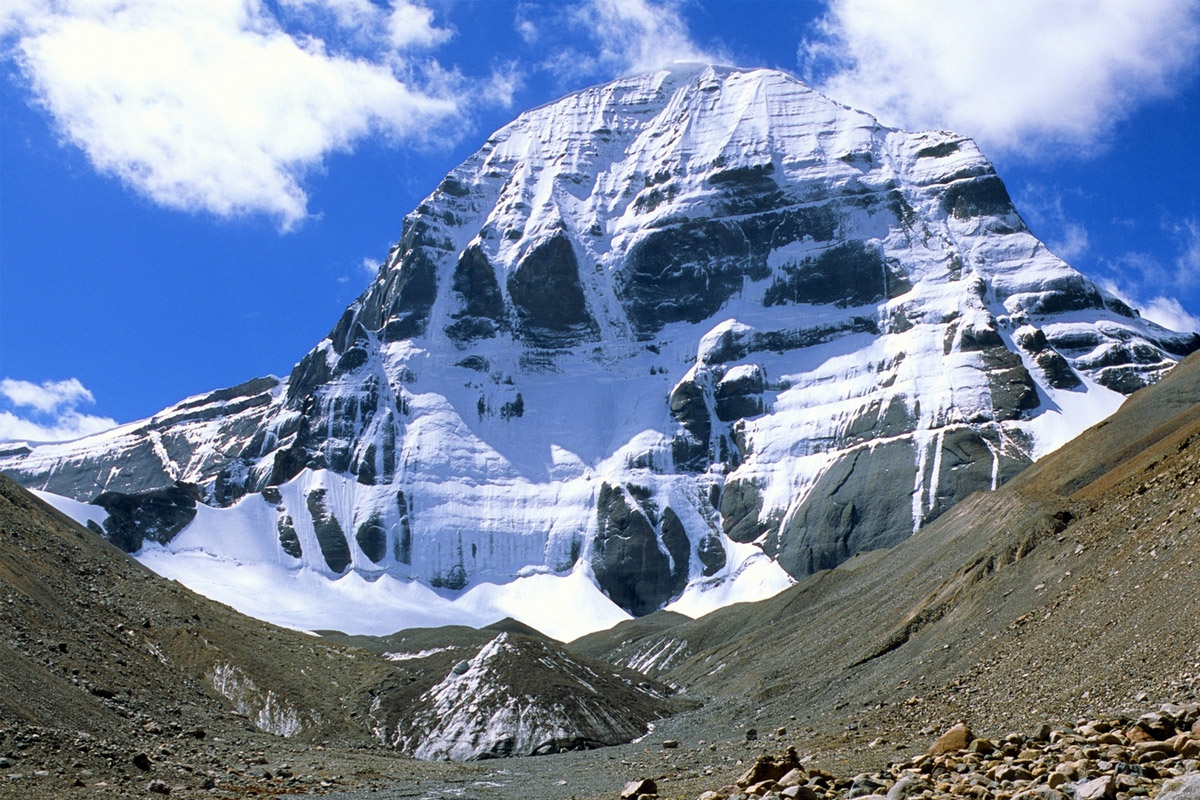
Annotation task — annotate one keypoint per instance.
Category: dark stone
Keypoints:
(983, 194)
(741, 503)
(1057, 370)
(349, 331)
(746, 190)
(751, 383)
(1033, 341)
(329, 533)
(1076, 339)
(685, 273)
(1067, 293)
(1125, 380)
(272, 495)
(675, 539)
(288, 462)
(848, 274)
(711, 553)
(402, 546)
(253, 389)
(689, 454)
(771, 230)
(741, 397)
(288, 539)
(454, 579)
(141, 761)
(232, 482)
(966, 467)
(412, 289)
(157, 515)
(453, 187)
(1010, 385)
(862, 502)
(312, 371)
(364, 471)
(483, 306)
(627, 561)
(1124, 354)
(689, 407)
(548, 296)
(513, 408)
(469, 329)
(351, 360)
(979, 338)
(372, 538)
(738, 407)
(476, 363)
(1182, 345)
(938, 150)
(876, 422)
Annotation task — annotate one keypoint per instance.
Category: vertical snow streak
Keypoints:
(937, 471)
(995, 466)
(922, 439)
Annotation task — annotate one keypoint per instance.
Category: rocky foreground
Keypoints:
(1156, 754)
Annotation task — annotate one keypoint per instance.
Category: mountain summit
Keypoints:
(668, 338)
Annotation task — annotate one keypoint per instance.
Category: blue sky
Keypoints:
(190, 193)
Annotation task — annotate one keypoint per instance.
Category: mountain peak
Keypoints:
(666, 341)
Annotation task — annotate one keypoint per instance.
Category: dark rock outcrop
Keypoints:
(157, 515)
(630, 565)
(548, 297)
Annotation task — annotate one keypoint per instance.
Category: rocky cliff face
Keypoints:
(657, 332)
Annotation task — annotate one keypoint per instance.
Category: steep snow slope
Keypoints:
(650, 335)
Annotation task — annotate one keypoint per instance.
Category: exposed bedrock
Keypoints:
(482, 311)
(545, 290)
(330, 538)
(848, 274)
(632, 566)
(863, 502)
(157, 515)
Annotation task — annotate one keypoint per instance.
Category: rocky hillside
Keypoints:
(674, 336)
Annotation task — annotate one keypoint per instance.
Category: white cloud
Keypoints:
(1071, 243)
(213, 106)
(524, 24)
(45, 397)
(1187, 265)
(1015, 74)
(411, 25)
(637, 35)
(1043, 209)
(1170, 313)
(1154, 286)
(49, 411)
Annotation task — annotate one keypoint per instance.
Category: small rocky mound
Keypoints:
(520, 696)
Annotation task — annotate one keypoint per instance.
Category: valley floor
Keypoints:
(1134, 751)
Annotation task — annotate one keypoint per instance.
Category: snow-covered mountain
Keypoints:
(671, 339)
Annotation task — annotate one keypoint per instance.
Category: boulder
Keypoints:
(956, 738)
(639, 788)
